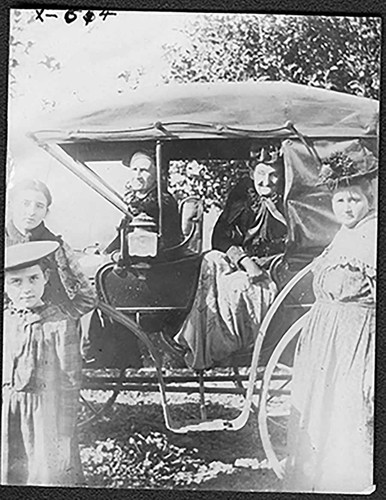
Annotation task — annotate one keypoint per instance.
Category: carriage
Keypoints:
(140, 295)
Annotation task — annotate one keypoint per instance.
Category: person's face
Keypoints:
(142, 175)
(265, 179)
(350, 205)
(29, 207)
(25, 287)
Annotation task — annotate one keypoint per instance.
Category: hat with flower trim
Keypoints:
(343, 168)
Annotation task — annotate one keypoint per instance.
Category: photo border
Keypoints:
(310, 7)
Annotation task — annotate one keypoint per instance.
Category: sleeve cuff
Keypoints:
(235, 254)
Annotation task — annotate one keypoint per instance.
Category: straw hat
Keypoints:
(28, 254)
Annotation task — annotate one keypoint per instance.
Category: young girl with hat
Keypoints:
(330, 433)
(29, 202)
(41, 372)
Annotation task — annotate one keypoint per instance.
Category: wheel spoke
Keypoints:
(99, 409)
(275, 422)
(282, 387)
(88, 404)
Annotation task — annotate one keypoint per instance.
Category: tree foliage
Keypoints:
(211, 181)
(22, 49)
(336, 53)
(19, 48)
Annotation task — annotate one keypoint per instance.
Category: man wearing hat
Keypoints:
(41, 373)
(141, 197)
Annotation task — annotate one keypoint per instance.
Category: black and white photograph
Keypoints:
(190, 251)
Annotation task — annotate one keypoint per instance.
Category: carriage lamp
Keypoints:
(142, 237)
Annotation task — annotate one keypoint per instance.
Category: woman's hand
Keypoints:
(254, 271)
(128, 196)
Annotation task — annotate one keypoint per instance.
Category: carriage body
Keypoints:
(206, 122)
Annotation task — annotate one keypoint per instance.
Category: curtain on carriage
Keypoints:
(308, 206)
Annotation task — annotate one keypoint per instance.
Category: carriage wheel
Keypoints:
(91, 410)
(275, 399)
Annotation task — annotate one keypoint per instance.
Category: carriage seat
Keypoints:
(191, 211)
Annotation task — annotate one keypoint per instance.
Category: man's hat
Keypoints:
(139, 156)
(28, 254)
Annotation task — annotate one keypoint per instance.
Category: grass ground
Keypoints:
(130, 446)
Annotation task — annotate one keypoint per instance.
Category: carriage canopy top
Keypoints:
(216, 120)
(219, 110)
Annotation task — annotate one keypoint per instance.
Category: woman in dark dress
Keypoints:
(235, 290)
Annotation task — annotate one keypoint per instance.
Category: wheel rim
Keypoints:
(266, 395)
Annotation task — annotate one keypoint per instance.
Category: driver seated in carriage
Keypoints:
(142, 200)
(141, 197)
(235, 288)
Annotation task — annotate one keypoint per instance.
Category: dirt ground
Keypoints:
(130, 447)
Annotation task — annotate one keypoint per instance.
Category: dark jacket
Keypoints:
(171, 227)
(252, 223)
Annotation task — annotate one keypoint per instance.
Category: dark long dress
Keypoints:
(330, 430)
